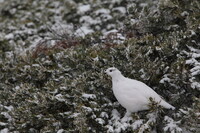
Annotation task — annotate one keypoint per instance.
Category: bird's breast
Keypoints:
(129, 97)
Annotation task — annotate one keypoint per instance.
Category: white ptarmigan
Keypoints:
(132, 94)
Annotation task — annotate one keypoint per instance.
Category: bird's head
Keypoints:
(112, 71)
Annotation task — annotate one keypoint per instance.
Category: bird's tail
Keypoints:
(167, 105)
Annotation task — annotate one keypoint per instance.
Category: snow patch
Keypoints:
(115, 124)
(3, 124)
(9, 36)
(111, 31)
(191, 61)
(88, 109)
(120, 9)
(171, 125)
(104, 115)
(84, 30)
(89, 96)
(137, 124)
(60, 131)
(9, 108)
(96, 59)
(83, 8)
(35, 65)
(5, 130)
(6, 115)
(17, 88)
(100, 121)
(164, 79)
(87, 20)
(195, 70)
(60, 98)
(102, 11)
(184, 13)
(117, 37)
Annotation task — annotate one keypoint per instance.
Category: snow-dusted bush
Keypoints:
(63, 88)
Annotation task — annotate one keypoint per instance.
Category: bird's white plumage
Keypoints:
(132, 94)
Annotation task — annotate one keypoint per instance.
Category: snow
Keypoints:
(5, 130)
(192, 33)
(191, 61)
(6, 115)
(9, 36)
(193, 49)
(116, 125)
(117, 37)
(172, 125)
(84, 30)
(115, 122)
(74, 115)
(133, 21)
(88, 109)
(195, 55)
(62, 28)
(83, 8)
(165, 79)
(183, 111)
(195, 85)
(47, 62)
(39, 116)
(88, 20)
(17, 88)
(120, 9)
(111, 31)
(184, 13)
(96, 59)
(60, 98)
(35, 65)
(195, 70)
(100, 121)
(143, 74)
(143, 4)
(63, 88)
(158, 48)
(9, 55)
(3, 124)
(30, 24)
(137, 124)
(151, 120)
(27, 67)
(102, 11)
(104, 115)
(9, 108)
(89, 96)
(60, 131)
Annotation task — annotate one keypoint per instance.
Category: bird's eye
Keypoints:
(110, 70)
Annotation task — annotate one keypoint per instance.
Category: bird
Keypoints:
(132, 94)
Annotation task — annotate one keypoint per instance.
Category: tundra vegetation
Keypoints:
(53, 54)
